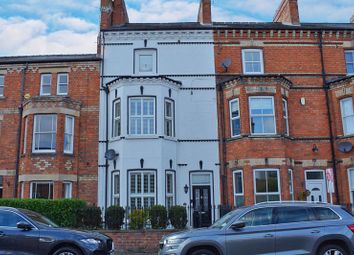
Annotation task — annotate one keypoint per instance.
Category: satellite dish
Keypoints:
(345, 147)
(226, 63)
(111, 154)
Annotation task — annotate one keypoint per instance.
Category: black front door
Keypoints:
(201, 206)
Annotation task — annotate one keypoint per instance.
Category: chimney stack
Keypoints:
(113, 13)
(287, 13)
(204, 15)
(352, 19)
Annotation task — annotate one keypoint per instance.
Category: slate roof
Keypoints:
(49, 58)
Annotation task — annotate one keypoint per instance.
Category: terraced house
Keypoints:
(49, 126)
(285, 106)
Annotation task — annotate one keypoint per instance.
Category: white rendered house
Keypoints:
(158, 116)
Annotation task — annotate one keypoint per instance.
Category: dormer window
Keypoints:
(145, 62)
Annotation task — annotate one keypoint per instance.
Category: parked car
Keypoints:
(270, 228)
(23, 232)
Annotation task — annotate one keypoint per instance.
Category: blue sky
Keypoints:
(71, 26)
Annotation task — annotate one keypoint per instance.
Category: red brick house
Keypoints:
(285, 108)
(49, 126)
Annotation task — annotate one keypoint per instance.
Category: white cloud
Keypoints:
(71, 23)
(24, 37)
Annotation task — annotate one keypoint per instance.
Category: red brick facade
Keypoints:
(293, 72)
(79, 168)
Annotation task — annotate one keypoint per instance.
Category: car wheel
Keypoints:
(67, 251)
(332, 249)
(203, 252)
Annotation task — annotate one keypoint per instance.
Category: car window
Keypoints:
(9, 219)
(325, 214)
(258, 217)
(293, 214)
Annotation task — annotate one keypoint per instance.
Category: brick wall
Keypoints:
(81, 102)
(293, 55)
(137, 241)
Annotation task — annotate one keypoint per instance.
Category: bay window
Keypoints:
(142, 189)
(44, 135)
(347, 115)
(141, 116)
(2, 81)
(116, 118)
(170, 189)
(266, 185)
(115, 188)
(262, 115)
(235, 117)
(69, 135)
(67, 190)
(285, 117)
(41, 190)
(169, 118)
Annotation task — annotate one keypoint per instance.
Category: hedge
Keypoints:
(63, 212)
(178, 216)
(115, 217)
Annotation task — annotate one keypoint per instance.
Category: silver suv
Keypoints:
(284, 228)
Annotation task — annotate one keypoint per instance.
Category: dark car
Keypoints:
(23, 232)
(285, 228)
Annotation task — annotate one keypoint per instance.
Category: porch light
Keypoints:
(186, 188)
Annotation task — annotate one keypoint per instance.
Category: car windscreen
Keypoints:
(39, 219)
(226, 219)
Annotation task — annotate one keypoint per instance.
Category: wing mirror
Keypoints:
(24, 225)
(238, 225)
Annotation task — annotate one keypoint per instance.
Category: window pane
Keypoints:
(258, 217)
(325, 214)
(292, 214)
(317, 175)
(238, 183)
(347, 107)
(349, 125)
(272, 178)
(351, 178)
(349, 57)
(239, 201)
(145, 63)
(1, 80)
(63, 78)
(42, 190)
(261, 182)
(269, 125)
(236, 127)
(9, 219)
(257, 125)
(350, 68)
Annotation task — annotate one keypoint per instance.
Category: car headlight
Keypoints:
(91, 241)
(172, 244)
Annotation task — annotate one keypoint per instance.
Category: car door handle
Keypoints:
(315, 231)
(268, 235)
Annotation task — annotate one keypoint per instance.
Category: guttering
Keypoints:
(326, 88)
(19, 130)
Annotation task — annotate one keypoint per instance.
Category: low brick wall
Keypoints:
(146, 241)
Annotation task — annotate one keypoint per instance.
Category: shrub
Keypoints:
(114, 217)
(137, 219)
(62, 212)
(178, 216)
(89, 217)
(158, 217)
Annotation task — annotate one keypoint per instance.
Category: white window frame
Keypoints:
(1, 186)
(285, 115)
(2, 85)
(61, 84)
(142, 194)
(262, 115)
(291, 182)
(173, 193)
(34, 150)
(141, 116)
(244, 51)
(145, 52)
(22, 195)
(345, 59)
(117, 119)
(351, 191)
(234, 118)
(266, 193)
(242, 194)
(345, 131)
(70, 190)
(41, 182)
(25, 135)
(67, 133)
(169, 118)
(42, 84)
(115, 196)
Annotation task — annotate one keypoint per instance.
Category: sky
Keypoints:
(37, 27)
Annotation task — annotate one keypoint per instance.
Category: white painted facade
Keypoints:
(186, 59)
